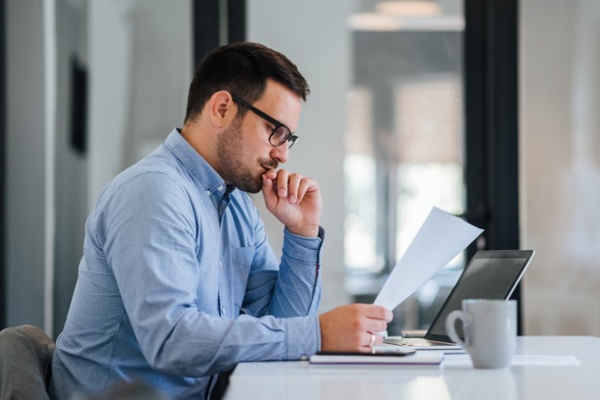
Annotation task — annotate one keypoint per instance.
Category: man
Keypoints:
(178, 281)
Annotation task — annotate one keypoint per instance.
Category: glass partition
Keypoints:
(404, 143)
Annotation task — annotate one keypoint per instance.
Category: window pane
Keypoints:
(404, 141)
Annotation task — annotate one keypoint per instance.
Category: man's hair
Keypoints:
(243, 69)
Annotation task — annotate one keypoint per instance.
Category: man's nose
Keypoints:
(280, 153)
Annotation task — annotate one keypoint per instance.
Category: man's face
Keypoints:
(244, 151)
(230, 147)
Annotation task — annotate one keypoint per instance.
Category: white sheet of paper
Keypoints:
(441, 237)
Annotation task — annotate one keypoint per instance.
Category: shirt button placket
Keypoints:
(223, 310)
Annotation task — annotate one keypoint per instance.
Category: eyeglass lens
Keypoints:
(280, 136)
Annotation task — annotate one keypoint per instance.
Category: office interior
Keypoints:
(91, 86)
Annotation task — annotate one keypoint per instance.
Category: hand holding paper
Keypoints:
(441, 237)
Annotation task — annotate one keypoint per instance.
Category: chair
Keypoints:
(25, 363)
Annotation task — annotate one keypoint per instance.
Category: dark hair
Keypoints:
(243, 69)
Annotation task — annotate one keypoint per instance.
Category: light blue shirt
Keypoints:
(171, 291)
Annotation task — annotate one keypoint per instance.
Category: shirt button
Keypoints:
(223, 311)
(220, 188)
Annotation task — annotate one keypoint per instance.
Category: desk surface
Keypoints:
(303, 381)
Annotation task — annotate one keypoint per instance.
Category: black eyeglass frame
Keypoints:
(288, 137)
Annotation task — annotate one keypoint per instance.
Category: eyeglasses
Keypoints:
(279, 134)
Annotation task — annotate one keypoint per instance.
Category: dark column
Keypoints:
(492, 129)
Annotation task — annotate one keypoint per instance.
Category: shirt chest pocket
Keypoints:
(241, 262)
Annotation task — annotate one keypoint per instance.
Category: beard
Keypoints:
(231, 150)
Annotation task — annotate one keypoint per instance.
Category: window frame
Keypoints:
(492, 125)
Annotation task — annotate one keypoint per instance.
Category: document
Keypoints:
(441, 237)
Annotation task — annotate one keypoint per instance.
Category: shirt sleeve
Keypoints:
(293, 289)
(150, 247)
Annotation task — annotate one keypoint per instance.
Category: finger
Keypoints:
(282, 183)
(294, 182)
(370, 319)
(378, 312)
(271, 174)
(306, 185)
(378, 339)
(375, 325)
(268, 190)
(368, 340)
(372, 340)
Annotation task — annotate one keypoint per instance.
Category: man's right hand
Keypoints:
(350, 327)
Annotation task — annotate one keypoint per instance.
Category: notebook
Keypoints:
(491, 274)
(407, 357)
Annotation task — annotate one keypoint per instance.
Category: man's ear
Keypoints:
(221, 108)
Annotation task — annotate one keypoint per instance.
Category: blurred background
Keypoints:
(486, 109)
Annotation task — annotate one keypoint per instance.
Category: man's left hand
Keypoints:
(294, 199)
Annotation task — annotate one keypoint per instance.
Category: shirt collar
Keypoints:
(197, 166)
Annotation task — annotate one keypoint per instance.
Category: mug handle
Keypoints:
(451, 329)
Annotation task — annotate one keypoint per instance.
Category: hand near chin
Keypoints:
(294, 199)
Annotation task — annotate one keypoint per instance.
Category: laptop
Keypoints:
(491, 274)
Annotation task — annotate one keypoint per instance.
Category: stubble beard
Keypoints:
(230, 149)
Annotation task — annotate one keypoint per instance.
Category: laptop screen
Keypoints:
(490, 274)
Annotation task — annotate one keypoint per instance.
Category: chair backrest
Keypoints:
(25, 363)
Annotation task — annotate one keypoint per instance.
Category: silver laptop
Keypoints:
(491, 274)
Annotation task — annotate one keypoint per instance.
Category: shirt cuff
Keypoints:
(300, 248)
(303, 337)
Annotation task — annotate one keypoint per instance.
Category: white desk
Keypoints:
(303, 381)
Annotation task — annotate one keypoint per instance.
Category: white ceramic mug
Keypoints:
(490, 331)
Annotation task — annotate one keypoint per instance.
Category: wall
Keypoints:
(560, 164)
(72, 167)
(138, 58)
(314, 35)
(25, 158)
(560, 171)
